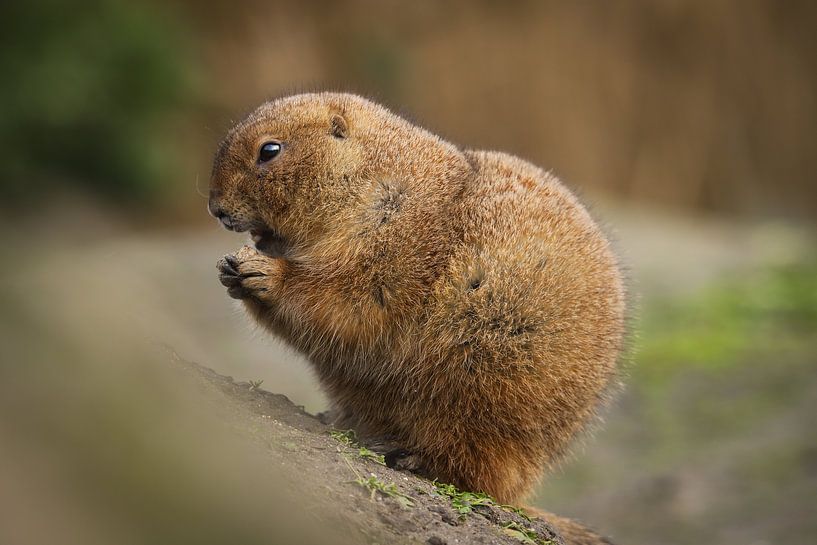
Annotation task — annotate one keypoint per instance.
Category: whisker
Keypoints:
(198, 189)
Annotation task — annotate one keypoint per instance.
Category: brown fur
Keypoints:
(462, 305)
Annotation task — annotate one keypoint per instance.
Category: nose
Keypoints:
(212, 205)
(217, 211)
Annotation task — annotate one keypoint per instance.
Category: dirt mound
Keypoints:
(347, 483)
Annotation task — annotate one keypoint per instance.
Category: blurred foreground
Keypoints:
(712, 439)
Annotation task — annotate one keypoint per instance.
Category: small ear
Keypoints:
(340, 129)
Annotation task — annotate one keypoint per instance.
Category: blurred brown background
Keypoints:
(689, 127)
(699, 105)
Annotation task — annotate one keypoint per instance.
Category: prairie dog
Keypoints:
(460, 305)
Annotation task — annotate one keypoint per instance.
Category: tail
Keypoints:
(571, 531)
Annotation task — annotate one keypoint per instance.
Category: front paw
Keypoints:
(248, 273)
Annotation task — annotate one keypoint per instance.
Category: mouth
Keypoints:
(232, 225)
(270, 242)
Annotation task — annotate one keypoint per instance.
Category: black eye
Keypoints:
(269, 151)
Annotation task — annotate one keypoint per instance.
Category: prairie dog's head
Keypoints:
(280, 172)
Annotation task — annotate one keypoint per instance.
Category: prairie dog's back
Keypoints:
(536, 292)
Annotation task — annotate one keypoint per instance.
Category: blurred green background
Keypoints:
(689, 127)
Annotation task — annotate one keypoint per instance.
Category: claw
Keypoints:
(228, 265)
(229, 280)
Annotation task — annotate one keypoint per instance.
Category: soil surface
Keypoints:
(331, 474)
